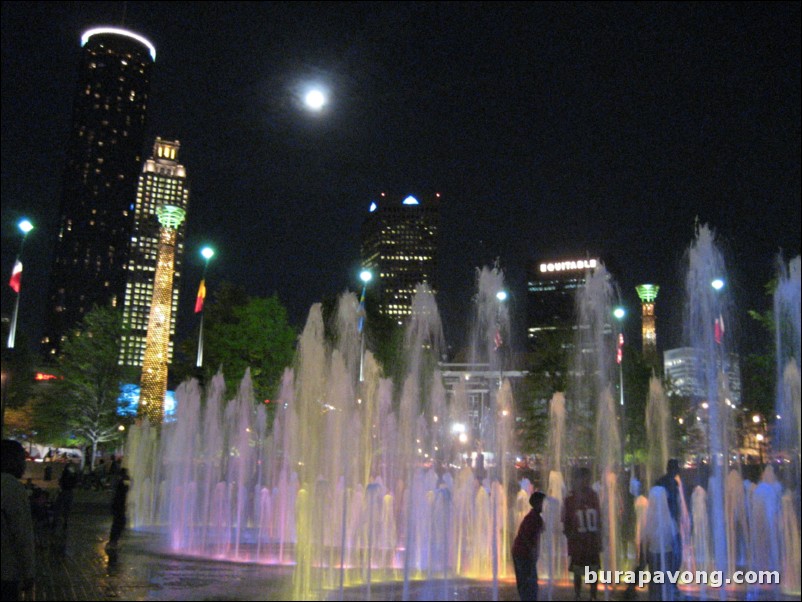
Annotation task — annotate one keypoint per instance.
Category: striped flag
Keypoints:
(200, 298)
(718, 329)
(16, 276)
(497, 340)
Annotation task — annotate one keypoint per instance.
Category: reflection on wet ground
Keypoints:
(75, 566)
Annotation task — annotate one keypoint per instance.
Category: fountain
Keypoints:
(789, 430)
(352, 486)
(658, 433)
(360, 481)
(591, 402)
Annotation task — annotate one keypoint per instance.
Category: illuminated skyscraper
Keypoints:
(551, 297)
(648, 295)
(104, 156)
(154, 365)
(162, 182)
(399, 247)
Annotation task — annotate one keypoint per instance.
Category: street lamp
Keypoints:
(365, 276)
(207, 253)
(15, 282)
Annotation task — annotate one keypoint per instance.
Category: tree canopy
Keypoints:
(83, 402)
(242, 332)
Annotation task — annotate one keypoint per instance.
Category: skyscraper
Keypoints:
(162, 182)
(104, 156)
(551, 297)
(399, 247)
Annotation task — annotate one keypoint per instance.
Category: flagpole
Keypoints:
(12, 333)
(207, 253)
(25, 226)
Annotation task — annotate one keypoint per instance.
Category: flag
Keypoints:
(201, 296)
(619, 353)
(718, 329)
(16, 276)
(497, 340)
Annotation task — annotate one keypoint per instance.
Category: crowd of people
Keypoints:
(30, 518)
(661, 547)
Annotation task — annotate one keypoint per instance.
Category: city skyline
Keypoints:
(550, 131)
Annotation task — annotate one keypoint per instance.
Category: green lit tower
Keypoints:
(648, 296)
(157, 345)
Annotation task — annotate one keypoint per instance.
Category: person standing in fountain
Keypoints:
(669, 482)
(526, 547)
(118, 510)
(582, 529)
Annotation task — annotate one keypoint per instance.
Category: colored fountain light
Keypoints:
(360, 481)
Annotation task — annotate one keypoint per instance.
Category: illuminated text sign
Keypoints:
(565, 266)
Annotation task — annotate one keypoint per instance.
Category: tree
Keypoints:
(255, 334)
(759, 370)
(547, 368)
(86, 396)
(18, 369)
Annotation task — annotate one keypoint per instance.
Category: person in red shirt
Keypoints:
(526, 547)
(582, 528)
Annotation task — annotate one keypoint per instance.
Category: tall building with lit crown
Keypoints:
(104, 157)
(648, 295)
(163, 181)
(154, 366)
(399, 247)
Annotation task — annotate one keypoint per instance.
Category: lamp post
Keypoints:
(365, 276)
(25, 227)
(207, 253)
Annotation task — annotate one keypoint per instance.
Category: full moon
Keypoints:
(315, 99)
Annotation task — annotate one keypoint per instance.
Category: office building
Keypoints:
(551, 297)
(103, 160)
(686, 367)
(162, 182)
(399, 247)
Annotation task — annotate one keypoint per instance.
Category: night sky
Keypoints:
(551, 131)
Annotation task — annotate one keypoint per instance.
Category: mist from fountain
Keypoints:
(705, 306)
(658, 432)
(553, 563)
(592, 411)
(788, 433)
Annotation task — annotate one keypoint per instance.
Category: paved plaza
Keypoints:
(75, 566)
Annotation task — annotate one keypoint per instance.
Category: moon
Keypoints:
(315, 99)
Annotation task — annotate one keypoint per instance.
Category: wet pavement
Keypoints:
(75, 566)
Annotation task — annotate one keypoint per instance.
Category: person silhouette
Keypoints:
(118, 503)
(18, 542)
(526, 547)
